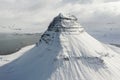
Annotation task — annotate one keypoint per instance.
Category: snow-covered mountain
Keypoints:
(65, 52)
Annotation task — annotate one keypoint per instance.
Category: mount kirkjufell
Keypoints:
(65, 52)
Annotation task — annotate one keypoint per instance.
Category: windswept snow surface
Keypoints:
(65, 52)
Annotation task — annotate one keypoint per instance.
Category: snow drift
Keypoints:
(65, 52)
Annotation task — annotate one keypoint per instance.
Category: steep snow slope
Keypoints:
(65, 52)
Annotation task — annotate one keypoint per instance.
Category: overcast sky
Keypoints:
(37, 14)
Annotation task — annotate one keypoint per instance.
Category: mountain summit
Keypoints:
(65, 52)
(63, 23)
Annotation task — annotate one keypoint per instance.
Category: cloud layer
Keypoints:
(37, 14)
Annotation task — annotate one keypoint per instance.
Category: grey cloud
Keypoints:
(87, 1)
(38, 13)
(110, 0)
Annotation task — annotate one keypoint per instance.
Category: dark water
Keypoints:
(10, 43)
(117, 45)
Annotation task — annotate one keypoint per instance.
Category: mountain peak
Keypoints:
(63, 22)
(66, 17)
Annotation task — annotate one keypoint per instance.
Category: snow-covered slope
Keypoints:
(65, 52)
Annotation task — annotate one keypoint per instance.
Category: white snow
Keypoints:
(65, 52)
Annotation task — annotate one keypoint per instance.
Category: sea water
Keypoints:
(10, 43)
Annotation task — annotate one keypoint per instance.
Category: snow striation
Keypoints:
(65, 52)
